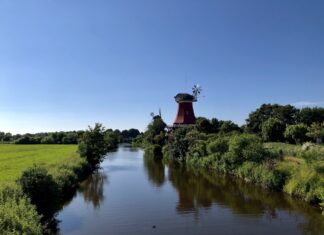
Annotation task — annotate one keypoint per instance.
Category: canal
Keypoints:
(132, 194)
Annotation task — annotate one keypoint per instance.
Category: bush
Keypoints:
(296, 133)
(247, 147)
(260, 174)
(93, 145)
(198, 149)
(154, 151)
(17, 215)
(272, 130)
(220, 145)
(42, 190)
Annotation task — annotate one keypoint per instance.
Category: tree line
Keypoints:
(266, 150)
(65, 137)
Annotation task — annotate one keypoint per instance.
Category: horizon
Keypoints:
(65, 66)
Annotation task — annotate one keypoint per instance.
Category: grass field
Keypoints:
(14, 159)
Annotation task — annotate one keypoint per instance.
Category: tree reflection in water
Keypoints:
(200, 190)
(92, 188)
(155, 170)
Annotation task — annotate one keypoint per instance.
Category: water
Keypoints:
(133, 194)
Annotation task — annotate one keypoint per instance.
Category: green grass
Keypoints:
(14, 159)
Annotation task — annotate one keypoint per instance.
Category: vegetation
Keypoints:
(62, 137)
(17, 215)
(95, 144)
(49, 174)
(14, 159)
(276, 148)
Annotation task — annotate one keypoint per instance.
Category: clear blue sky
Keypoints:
(65, 64)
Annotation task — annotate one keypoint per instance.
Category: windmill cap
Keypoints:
(184, 97)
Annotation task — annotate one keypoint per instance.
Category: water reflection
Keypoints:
(200, 190)
(92, 188)
(188, 201)
(155, 170)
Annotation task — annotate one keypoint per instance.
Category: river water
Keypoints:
(133, 194)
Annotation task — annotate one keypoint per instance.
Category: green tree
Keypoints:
(215, 125)
(297, 133)
(316, 131)
(272, 130)
(228, 126)
(203, 125)
(285, 113)
(311, 115)
(155, 128)
(42, 190)
(93, 146)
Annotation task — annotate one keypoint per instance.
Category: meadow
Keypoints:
(14, 159)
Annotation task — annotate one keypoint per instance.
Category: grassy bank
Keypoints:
(295, 169)
(14, 159)
(62, 170)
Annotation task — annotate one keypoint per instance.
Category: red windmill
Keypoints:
(186, 115)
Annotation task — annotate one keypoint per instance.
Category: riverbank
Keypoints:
(131, 193)
(294, 169)
(62, 163)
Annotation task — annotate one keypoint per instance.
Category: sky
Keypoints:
(66, 64)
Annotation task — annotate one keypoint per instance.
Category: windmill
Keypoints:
(196, 90)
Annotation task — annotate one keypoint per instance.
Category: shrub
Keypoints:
(66, 181)
(220, 145)
(198, 149)
(154, 151)
(17, 215)
(93, 145)
(247, 147)
(260, 174)
(272, 130)
(296, 133)
(42, 190)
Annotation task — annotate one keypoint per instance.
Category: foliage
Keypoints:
(179, 144)
(272, 130)
(62, 137)
(198, 149)
(42, 190)
(220, 145)
(93, 145)
(287, 114)
(228, 126)
(261, 174)
(310, 115)
(156, 127)
(247, 147)
(17, 215)
(316, 130)
(203, 125)
(296, 133)
(154, 151)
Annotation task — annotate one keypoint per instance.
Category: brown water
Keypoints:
(133, 194)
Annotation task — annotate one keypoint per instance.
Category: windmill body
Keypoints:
(185, 114)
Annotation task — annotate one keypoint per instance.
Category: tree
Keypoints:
(155, 128)
(272, 130)
(316, 131)
(93, 146)
(284, 113)
(297, 133)
(203, 125)
(42, 190)
(228, 126)
(311, 115)
(215, 125)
